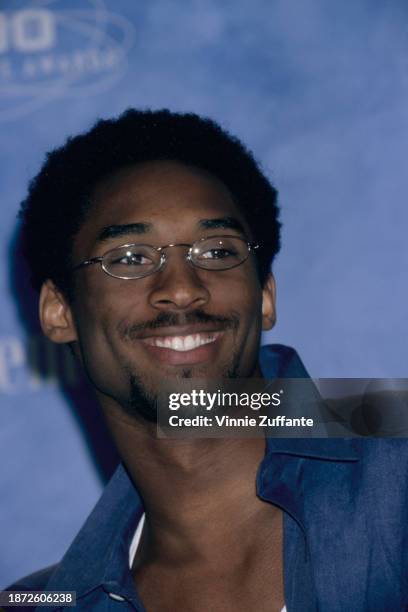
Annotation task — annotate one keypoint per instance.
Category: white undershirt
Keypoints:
(135, 540)
(135, 543)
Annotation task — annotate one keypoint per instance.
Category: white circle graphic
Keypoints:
(49, 52)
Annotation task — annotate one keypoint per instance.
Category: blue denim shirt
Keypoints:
(345, 524)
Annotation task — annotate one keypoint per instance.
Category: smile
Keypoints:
(183, 343)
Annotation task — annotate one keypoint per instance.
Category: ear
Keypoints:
(268, 303)
(55, 315)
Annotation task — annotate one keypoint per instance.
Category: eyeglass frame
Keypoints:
(251, 245)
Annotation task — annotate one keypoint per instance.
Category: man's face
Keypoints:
(136, 337)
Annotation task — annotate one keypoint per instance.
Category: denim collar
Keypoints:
(99, 555)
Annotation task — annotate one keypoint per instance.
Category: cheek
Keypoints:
(105, 300)
(241, 291)
(241, 294)
(97, 342)
(99, 318)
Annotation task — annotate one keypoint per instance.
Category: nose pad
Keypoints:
(178, 284)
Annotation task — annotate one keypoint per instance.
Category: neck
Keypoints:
(191, 488)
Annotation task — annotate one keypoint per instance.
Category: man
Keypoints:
(150, 239)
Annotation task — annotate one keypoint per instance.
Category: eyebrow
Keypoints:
(222, 223)
(129, 229)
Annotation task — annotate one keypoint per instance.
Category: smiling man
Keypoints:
(151, 239)
(181, 302)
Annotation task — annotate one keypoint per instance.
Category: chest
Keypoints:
(209, 590)
(228, 580)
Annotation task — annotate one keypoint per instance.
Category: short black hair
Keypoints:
(61, 194)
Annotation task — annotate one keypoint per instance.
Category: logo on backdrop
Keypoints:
(31, 364)
(55, 49)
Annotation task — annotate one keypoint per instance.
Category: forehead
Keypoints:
(170, 199)
(158, 189)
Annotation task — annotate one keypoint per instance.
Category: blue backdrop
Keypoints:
(318, 89)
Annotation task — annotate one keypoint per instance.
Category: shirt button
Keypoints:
(116, 597)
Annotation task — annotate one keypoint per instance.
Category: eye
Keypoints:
(218, 253)
(137, 256)
(132, 259)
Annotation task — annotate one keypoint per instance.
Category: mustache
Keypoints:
(170, 319)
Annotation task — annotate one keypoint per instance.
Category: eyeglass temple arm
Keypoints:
(88, 262)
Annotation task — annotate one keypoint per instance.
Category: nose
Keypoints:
(178, 285)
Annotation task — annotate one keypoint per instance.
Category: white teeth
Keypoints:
(183, 343)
